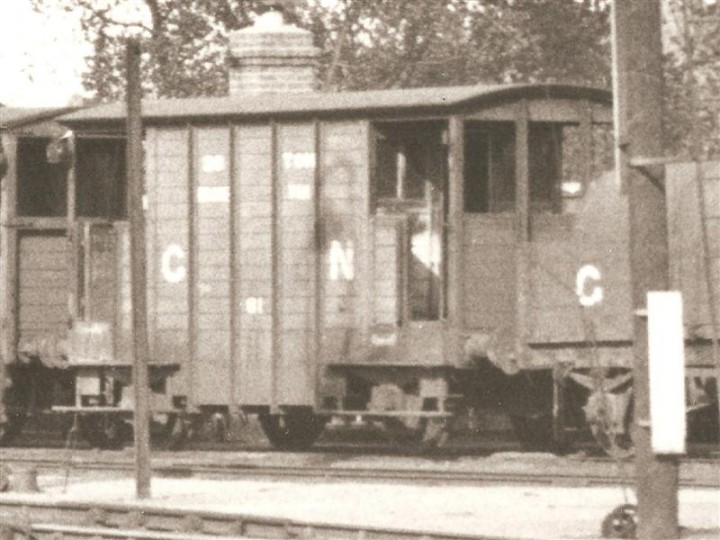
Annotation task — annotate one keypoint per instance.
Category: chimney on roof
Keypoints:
(272, 55)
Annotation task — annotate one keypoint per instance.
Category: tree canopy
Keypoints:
(692, 78)
(364, 43)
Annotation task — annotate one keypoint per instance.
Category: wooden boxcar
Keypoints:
(414, 256)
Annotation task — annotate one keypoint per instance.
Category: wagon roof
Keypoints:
(14, 117)
(335, 103)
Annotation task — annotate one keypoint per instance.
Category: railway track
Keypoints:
(26, 520)
(26, 517)
(519, 475)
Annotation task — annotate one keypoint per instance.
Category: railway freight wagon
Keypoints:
(409, 255)
(36, 281)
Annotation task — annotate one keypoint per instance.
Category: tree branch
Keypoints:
(351, 12)
(107, 19)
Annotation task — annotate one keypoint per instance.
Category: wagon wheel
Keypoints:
(172, 434)
(292, 431)
(104, 431)
(609, 415)
(426, 432)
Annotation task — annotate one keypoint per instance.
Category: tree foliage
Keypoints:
(399, 43)
(692, 78)
(364, 43)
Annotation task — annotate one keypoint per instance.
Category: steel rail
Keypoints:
(412, 476)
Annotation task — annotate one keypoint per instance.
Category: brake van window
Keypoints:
(100, 178)
(41, 185)
(556, 166)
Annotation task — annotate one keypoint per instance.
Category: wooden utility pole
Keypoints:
(638, 75)
(137, 269)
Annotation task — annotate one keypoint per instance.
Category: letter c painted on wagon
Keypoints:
(171, 266)
(588, 294)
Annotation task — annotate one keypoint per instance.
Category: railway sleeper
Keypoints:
(38, 520)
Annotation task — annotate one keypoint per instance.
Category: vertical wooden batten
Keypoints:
(365, 251)
(275, 262)
(372, 224)
(456, 179)
(8, 253)
(319, 303)
(233, 270)
(191, 267)
(522, 227)
(73, 232)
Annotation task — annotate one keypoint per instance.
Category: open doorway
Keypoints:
(409, 182)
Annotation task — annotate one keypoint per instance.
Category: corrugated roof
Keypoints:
(320, 103)
(13, 117)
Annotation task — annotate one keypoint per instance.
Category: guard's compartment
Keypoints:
(408, 246)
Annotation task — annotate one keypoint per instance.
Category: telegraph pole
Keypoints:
(138, 271)
(638, 76)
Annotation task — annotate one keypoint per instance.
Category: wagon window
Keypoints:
(489, 167)
(409, 162)
(100, 178)
(41, 185)
(556, 165)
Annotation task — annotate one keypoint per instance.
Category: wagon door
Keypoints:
(409, 243)
(487, 246)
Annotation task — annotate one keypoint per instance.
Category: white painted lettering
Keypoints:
(212, 163)
(593, 296)
(298, 160)
(342, 261)
(213, 194)
(254, 306)
(171, 264)
(299, 192)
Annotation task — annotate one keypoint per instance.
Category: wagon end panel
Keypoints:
(688, 256)
(578, 272)
(253, 264)
(168, 246)
(579, 282)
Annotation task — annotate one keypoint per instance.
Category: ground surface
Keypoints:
(497, 511)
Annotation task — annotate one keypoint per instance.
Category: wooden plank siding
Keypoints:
(595, 233)
(296, 162)
(253, 267)
(488, 289)
(211, 253)
(168, 233)
(42, 292)
(345, 229)
(387, 285)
